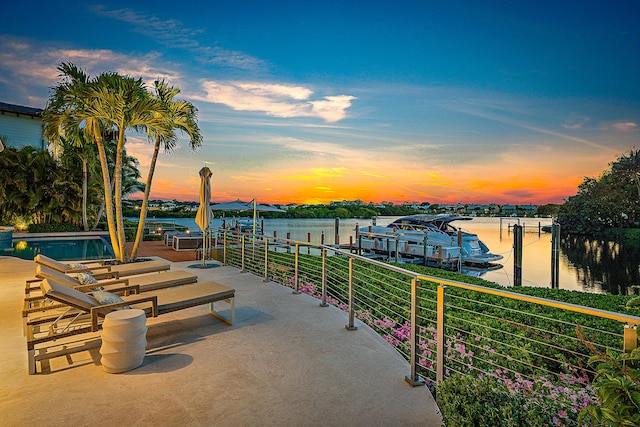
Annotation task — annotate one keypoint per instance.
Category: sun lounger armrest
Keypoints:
(84, 270)
(32, 285)
(86, 288)
(108, 282)
(106, 308)
(107, 275)
(34, 298)
(125, 290)
(93, 262)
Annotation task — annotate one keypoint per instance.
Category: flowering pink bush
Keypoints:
(568, 393)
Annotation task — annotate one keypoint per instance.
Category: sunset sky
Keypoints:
(313, 101)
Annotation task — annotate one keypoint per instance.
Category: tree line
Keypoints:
(42, 192)
(610, 201)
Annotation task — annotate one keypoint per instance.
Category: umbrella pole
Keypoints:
(254, 220)
(204, 246)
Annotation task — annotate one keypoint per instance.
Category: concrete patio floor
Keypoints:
(285, 361)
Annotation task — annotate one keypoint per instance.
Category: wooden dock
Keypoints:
(158, 248)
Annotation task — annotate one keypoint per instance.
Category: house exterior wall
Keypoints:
(21, 130)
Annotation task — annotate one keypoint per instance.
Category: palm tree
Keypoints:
(68, 151)
(179, 114)
(66, 114)
(124, 103)
(108, 102)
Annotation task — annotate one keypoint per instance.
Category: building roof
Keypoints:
(20, 110)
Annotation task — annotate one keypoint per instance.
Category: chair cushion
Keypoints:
(59, 292)
(44, 272)
(52, 263)
(104, 297)
(86, 279)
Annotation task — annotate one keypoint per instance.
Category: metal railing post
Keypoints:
(351, 325)
(413, 378)
(424, 249)
(517, 255)
(555, 255)
(440, 333)
(397, 248)
(630, 338)
(296, 288)
(224, 248)
(242, 253)
(324, 278)
(266, 260)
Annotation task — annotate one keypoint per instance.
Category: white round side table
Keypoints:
(124, 340)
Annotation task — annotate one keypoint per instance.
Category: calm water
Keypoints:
(61, 249)
(585, 265)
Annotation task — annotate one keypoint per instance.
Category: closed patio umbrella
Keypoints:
(203, 215)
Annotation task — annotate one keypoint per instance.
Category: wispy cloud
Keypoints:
(625, 126)
(575, 123)
(174, 34)
(276, 100)
(504, 118)
(171, 32)
(336, 172)
(337, 152)
(34, 65)
(244, 178)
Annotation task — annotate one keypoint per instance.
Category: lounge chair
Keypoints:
(130, 285)
(105, 270)
(143, 283)
(85, 312)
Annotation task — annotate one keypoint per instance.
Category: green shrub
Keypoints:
(617, 383)
(472, 401)
(52, 228)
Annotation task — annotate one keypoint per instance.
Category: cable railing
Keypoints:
(444, 327)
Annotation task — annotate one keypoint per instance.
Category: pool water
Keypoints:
(66, 249)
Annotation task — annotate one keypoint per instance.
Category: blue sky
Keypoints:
(445, 102)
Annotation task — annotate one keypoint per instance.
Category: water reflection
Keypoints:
(588, 265)
(585, 264)
(602, 265)
(62, 249)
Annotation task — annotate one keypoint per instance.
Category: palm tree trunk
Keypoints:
(111, 225)
(100, 213)
(85, 178)
(118, 195)
(145, 201)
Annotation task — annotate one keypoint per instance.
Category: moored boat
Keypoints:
(428, 236)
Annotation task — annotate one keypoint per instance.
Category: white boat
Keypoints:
(423, 235)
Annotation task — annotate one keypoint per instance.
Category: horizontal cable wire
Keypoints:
(382, 299)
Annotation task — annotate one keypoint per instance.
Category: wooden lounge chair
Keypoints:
(105, 270)
(36, 302)
(85, 312)
(143, 283)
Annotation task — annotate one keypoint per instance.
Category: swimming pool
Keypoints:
(61, 248)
